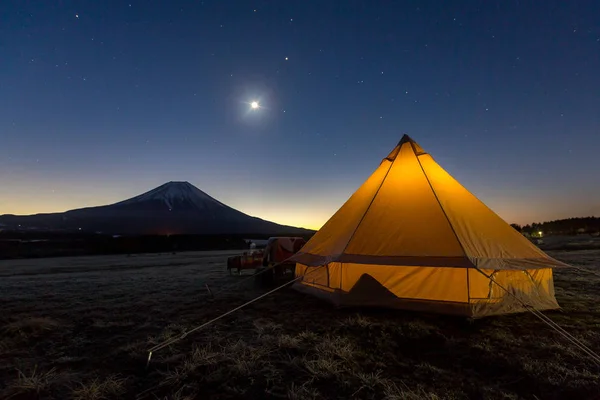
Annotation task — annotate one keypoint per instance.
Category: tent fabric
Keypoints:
(413, 237)
(456, 291)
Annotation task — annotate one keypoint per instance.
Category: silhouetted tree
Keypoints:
(570, 226)
(517, 227)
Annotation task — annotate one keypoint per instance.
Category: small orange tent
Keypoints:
(412, 237)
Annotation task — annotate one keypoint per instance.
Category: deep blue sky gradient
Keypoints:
(103, 100)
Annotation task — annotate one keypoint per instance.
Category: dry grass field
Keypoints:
(80, 328)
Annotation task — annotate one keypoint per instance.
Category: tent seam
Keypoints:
(484, 204)
(442, 208)
(370, 204)
(447, 219)
(468, 287)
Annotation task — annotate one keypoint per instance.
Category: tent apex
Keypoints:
(405, 138)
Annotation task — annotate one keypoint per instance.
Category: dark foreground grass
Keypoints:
(80, 328)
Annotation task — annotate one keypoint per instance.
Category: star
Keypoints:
(77, 16)
(286, 58)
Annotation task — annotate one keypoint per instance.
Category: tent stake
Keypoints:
(149, 357)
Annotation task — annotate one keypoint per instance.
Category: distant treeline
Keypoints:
(571, 226)
(35, 244)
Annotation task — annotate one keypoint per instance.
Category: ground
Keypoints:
(80, 328)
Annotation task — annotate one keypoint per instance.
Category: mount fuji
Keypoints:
(172, 208)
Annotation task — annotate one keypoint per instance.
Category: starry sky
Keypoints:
(104, 100)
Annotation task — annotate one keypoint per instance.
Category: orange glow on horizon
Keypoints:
(309, 212)
(291, 214)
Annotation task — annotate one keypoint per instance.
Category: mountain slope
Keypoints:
(172, 208)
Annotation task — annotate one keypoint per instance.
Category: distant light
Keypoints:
(254, 105)
(286, 58)
(77, 16)
(540, 233)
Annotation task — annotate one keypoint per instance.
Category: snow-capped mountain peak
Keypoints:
(176, 195)
(172, 208)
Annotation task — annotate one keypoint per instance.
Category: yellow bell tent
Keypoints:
(412, 237)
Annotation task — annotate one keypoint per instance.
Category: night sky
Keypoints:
(104, 100)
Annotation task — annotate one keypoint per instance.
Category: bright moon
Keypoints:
(254, 105)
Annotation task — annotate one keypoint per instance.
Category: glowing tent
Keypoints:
(412, 237)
